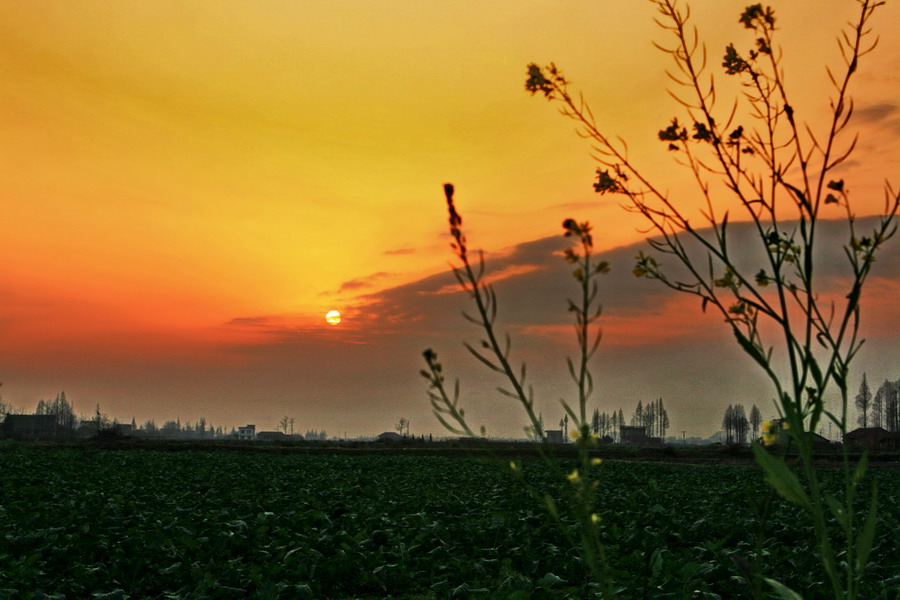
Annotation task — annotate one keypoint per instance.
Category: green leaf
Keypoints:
(783, 591)
(816, 373)
(860, 471)
(549, 580)
(750, 348)
(867, 535)
(116, 594)
(780, 477)
(837, 510)
(551, 506)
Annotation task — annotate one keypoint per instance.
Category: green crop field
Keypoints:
(86, 523)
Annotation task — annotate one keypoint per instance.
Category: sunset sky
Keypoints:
(188, 187)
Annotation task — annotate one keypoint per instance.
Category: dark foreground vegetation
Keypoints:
(90, 522)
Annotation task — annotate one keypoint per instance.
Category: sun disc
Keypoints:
(333, 317)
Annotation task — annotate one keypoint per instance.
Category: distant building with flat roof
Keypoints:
(29, 426)
(554, 436)
(637, 436)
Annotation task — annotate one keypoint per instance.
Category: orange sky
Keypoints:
(167, 168)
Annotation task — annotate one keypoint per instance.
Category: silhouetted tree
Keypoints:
(662, 419)
(101, 420)
(727, 421)
(876, 413)
(284, 423)
(649, 418)
(316, 435)
(5, 408)
(741, 424)
(755, 421)
(638, 417)
(888, 397)
(863, 400)
(60, 408)
(735, 424)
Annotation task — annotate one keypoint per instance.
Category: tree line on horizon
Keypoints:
(652, 416)
(738, 426)
(881, 409)
(66, 419)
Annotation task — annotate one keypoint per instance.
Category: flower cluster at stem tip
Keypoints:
(770, 432)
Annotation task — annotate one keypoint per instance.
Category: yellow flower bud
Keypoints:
(574, 476)
(596, 462)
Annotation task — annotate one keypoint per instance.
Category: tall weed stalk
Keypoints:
(577, 519)
(782, 173)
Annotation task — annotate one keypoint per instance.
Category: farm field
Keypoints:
(115, 524)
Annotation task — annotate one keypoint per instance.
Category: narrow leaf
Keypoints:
(780, 477)
(867, 535)
(783, 591)
(837, 510)
(860, 471)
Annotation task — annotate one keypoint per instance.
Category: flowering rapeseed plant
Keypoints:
(769, 433)
(494, 355)
(782, 175)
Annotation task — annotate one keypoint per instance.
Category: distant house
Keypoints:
(271, 436)
(123, 429)
(637, 436)
(873, 438)
(87, 428)
(247, 432)
(389, 436)
(554, 436)
(29, 426)
(819, 442)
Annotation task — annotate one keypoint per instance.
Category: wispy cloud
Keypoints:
(884, 114)
(362, 282)
(877, 112)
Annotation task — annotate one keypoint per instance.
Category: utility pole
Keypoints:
(683, 441)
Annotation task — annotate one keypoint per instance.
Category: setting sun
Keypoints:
(333, 317)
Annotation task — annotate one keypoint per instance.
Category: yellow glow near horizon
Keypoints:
(333, 317)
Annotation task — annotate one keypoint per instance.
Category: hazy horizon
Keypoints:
(656, 343)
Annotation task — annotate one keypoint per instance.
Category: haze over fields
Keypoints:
(188, 188)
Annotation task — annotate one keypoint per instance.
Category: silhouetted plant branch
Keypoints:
(780, 172)
(496, 358)
(582, 480)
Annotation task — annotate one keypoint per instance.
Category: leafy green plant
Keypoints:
(227, 522)
(782, 175)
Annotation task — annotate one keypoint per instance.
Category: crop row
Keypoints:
(82, 523)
